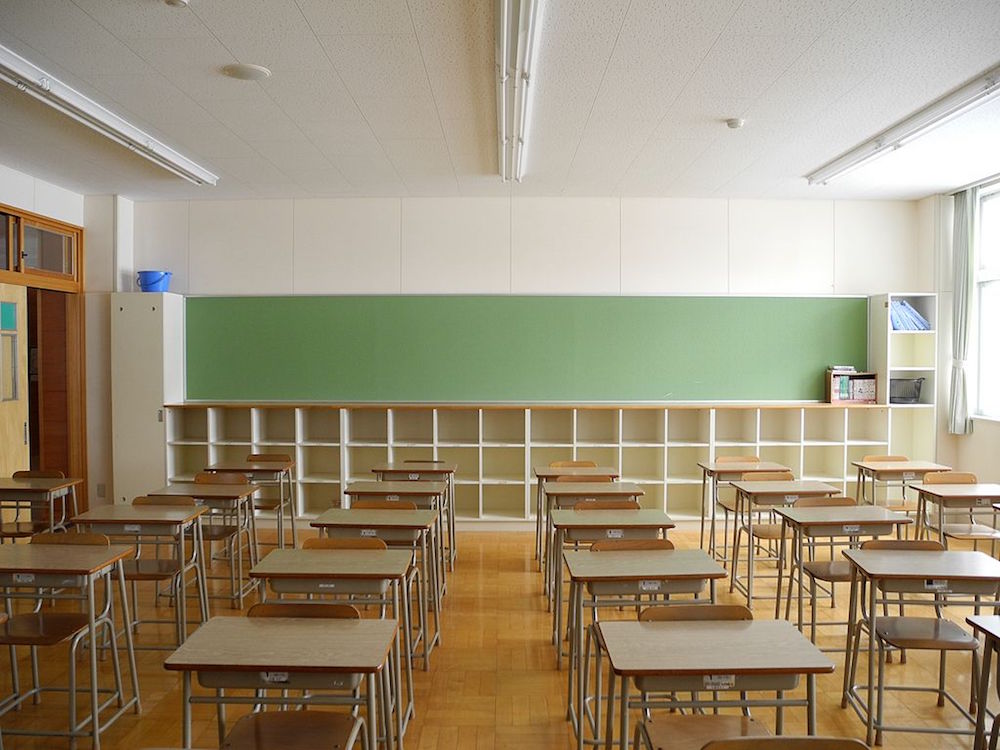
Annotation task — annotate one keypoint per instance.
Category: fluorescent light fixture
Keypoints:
(516, 42)
(32, 80)
(977, 91)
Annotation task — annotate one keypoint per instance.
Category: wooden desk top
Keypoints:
(837, 515)
(899, 469)
(361, 564)
(61, 559)
(206, 491)
(249, 467)
(946, 492)
(376, 518)
(602, 519)
(551, 472)
(593, 489)
(415, 467)
(413, 488)
(285, 644)
(796, 487)
(631, 565)
(9, 484)
(711, 647)
(740, 467)
(988, 624)
(145, 514)
(916, 565)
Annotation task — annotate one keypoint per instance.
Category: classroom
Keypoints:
(489, 374)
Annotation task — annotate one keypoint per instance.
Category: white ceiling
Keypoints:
(397, 97)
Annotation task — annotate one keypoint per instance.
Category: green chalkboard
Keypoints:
(467, 348)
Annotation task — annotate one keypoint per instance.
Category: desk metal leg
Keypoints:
(557, 613)
(872, 597)
(850, 654)
(95, 705)
(129, 642)
(609, 727)
(983, 695)
(811, 708)
(372, 719)
(580, 664)
(538, 522)
(186, 721)
(704, 511)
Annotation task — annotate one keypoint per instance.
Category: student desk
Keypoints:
(272, 473)
(414, 528)
(423, 471)
(889, 572)
(714, 473)
(891, 471)
(66, 566)
(368, 572)
(154, 523)
(976, 498)
(711, 655)
(36, 493)
(752, 497)
(544, 473)
(301, 653)
(235, 500)
(986, 627)
(844, 522)
(561, 495)
(590, 526)
(612, 575)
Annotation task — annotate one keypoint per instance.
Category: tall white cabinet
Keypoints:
(147, 371)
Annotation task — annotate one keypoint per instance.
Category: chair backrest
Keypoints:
(268, 457)
(786, 743)
(767, 476)
(49, 537)
(181, 501)
(220, 477)
(38, 474)
(384, 505)
(599, 478)
(927, 545)
(824, 502)
(884, 459)
(681, 612)
(422, 461)
(639, 545)
(305, 609)
(737, 459)
(564, 464)
(366, 542)
(950, 477)
(610, 504)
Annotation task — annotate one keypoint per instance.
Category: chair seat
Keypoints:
(687, 732)
(832, 571)
(924, 633)
(150, 569)
(767, 530)
(265, 504)
(971, 532)
(728, 503)
(213, 532)
(901, 507)
(22, 529)
(41, 628)
(292, 730)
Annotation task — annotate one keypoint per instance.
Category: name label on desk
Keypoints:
(649, 585)
(720, 681)
(274, 678)
(414, 475)
(852, 528)
(367, 532)
(615, 533)
(982, 501)
(588, 500)
(936, 584)
(392, 497)
(908, 475)
(327, 585)
(791, 498)
(24, 578)
(132, 528)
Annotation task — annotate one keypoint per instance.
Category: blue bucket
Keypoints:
(153, 281)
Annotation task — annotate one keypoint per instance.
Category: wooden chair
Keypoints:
(305, 609)
(18, 529)
(637, 545)
(968, 530)
(367, 504)
(787, 743)
(328, 543)
(609, 504)
(728, 504)
(277, 505)
(767, 532)
(572, 463)
(229, 528)
(690, 732)
(423, 461)
(899, 505)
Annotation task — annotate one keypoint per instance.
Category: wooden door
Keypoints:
(14, 380)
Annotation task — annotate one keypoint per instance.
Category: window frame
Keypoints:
(984, 276)
(18, 274)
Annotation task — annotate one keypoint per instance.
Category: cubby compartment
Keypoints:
(653, 495)
(543, 455)
(602, 456)
(642, 464)
(780, 426)
(231, 452)
(466, 459)
(503, 465)
(368, 426)
(361, 459)
(789, 456)
(412, 453)
(314, 498)
(503, 426)
(232, 425)
(912, 349)
(925, 304)
(928, 389)
(735, 426)
(552, 426)
(458, 426)
(505, 501)
(187, 425)
(412, 426)
(824, 425)
(467, 501)
(597, 426)
(868, 426)
(912, 432)
(318, 463)
(320, 426)
(275, 426)
(683, 500)
(825, 463)
(184, 461)
(643, 426)
(688, 426)
(682, 462)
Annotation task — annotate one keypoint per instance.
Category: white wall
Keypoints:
(28, 193)
(534, 246)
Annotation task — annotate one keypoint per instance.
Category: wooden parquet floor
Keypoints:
(493, 684)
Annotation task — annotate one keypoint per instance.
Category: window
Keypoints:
(39, 252)
(988, 302)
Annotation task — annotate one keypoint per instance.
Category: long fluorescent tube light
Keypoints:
(951, 105)
(502, 56)
(526, 38)
(34, 81)
(516, 41)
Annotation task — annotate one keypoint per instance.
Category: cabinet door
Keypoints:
(13, 379)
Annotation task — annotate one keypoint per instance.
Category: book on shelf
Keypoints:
(904, 317)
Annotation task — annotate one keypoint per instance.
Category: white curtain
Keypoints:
(963, 243)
